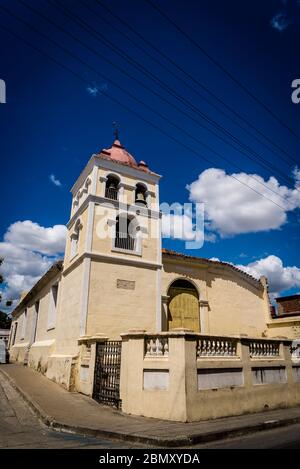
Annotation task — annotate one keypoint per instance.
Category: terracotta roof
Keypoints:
(204, 260)
(120, 155)
(54, 269)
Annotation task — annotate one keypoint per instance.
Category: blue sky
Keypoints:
(53, 121)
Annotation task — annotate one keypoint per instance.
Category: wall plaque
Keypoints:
(126, 284)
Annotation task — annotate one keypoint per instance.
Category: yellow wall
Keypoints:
(284, 327)
(235, 306)
(113, 310)
(70, 309)
(82, 237)
(45, 338)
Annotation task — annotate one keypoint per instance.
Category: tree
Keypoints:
(5, 321)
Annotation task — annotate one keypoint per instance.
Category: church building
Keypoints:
(115, 278)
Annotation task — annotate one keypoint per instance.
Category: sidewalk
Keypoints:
(76, 413)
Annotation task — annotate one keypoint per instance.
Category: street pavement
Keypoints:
(279, 438)
(20, 428)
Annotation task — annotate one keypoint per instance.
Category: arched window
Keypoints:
(140, 194)
(112, 187)
(75, 239)
(126, 233)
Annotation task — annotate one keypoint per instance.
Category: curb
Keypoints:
(187, 440)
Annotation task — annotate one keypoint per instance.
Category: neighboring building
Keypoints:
(2, 351)
(4, 335)
(109, 285)
(285, 320)
(288, 306)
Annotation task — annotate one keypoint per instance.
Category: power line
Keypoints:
(95, 33)
(112, 98)
(221, 67)
(190, 77)
(142, 102)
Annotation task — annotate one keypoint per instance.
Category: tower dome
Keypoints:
(118, 153)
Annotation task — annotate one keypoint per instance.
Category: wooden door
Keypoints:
(183, 309)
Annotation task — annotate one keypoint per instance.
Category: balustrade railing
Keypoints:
(111, 193)
(216, 347)
(262, 349)
(156, 347)
(127, 243)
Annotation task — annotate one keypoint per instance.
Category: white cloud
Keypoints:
(55, 181)
(31, 236)
(95, 89)
(296, 174)
(232, 208)
(281, 21)
(280, 278)
(177, 227)
(242, 255)
(28, 250)
(210, 237)
(92, 90)
(180, 222)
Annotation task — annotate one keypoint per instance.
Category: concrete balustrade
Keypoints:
(183, 376)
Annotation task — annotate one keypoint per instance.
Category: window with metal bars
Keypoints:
(125, 233)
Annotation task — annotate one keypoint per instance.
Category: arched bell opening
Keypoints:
(140, 194)
(112, 187)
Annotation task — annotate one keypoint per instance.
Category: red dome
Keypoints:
(118, 153)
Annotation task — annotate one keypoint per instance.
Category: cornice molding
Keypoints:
(112, 166)
(137, 262)
(131, 209)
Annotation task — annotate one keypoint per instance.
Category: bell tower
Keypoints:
(113, 250)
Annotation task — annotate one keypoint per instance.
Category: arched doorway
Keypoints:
(183, 306)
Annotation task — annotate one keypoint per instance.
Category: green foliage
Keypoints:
(5, 321)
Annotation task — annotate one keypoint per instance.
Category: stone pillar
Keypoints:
(266, 305)
(121, 192)
(131, 380)
(87, 361)
(103, 180)
(148, 198)
(204, 316)
(245, 358)
(285, 352)
(164, 312)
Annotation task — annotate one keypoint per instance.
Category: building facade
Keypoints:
(288, 305)
(116, 277)
(4, 335)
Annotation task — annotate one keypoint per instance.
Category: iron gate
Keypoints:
(107, 373)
